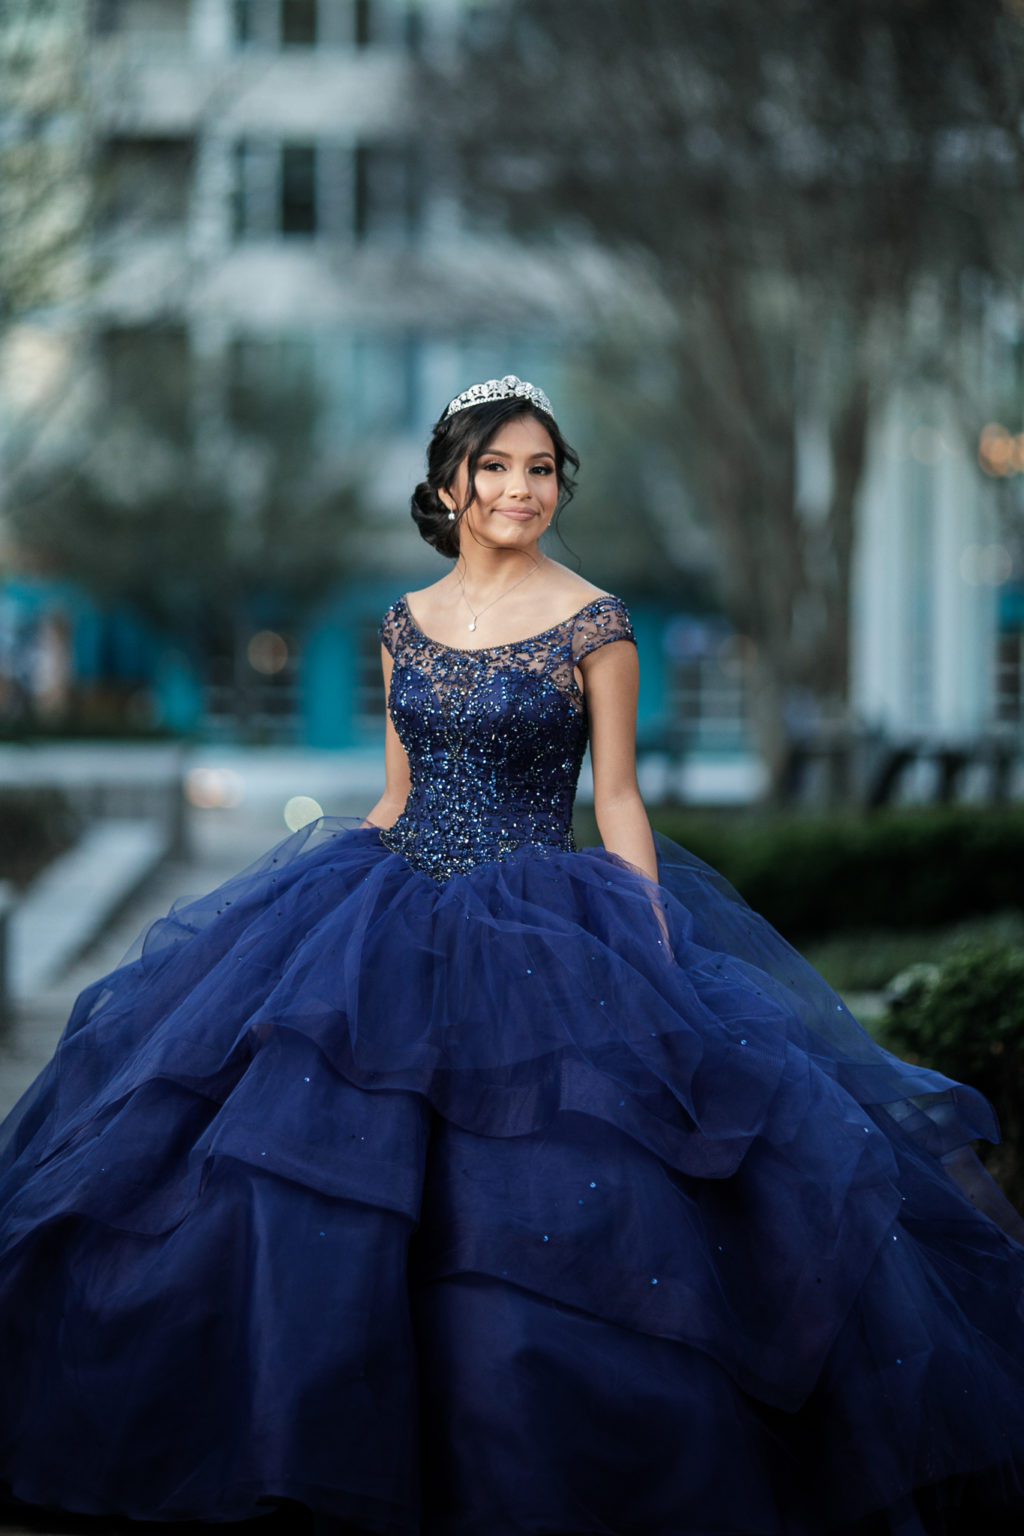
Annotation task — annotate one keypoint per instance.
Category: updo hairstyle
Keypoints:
(471, 431)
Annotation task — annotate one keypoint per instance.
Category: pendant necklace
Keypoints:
(494, 600)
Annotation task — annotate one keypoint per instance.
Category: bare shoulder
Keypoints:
(566, 587)
(423, 592)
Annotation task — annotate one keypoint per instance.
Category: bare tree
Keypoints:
(46, 200)
(789, 180)
(78, 190)
(192, 542)
(118, 467)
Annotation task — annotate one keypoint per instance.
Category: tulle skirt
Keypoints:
(547, 1200)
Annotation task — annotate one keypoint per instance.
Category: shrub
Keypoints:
(819, 873)
(865, 959)
(965, 1018)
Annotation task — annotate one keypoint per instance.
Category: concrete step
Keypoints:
(75, 898)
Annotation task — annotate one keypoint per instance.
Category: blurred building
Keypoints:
(265, 217)
(938, 643)
(263, 220)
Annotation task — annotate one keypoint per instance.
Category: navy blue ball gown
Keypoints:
(446, 1178)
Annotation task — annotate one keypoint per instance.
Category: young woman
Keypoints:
(434, 1175)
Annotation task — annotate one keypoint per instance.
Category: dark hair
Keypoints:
(470, 431)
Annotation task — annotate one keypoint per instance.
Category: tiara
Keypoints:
(508, 388)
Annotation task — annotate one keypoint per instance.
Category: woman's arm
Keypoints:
(612, 682)
(397, 779)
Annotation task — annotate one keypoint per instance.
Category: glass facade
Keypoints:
(328, 23)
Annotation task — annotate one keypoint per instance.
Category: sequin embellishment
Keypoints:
(495, 738)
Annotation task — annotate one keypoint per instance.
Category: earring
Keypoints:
(451, 517)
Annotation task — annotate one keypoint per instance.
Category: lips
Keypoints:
(521, 514)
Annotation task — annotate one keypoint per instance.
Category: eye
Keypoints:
(538, 469)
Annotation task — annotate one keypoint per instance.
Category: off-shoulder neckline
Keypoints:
(508, 645)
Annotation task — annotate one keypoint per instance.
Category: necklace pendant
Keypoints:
(471, 626)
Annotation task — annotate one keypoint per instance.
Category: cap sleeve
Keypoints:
(388, 628)
(604, 620)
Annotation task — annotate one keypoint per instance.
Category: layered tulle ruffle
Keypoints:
(416, 1203)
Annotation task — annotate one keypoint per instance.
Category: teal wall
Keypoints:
(334, 663)
(1011, 606)
(109, 645)
(330, 664)
(329, 672)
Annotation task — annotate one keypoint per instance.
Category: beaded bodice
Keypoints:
(495, 737)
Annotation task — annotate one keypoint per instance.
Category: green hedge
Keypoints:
(815, 874)
(866, 959)
(965, 1018)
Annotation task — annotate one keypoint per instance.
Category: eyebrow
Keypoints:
(504, 453)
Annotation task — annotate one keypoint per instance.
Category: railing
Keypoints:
(101, 780)
(872, 769)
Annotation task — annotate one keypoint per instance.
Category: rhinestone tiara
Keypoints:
(508, 388)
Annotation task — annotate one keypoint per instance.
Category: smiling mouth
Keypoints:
(516, 511)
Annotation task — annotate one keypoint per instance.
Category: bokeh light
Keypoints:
(214, 789)
(1000, 452)
(300, 810)
(268, 652)
(984, 565)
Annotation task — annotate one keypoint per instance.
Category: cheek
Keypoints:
(482, 488)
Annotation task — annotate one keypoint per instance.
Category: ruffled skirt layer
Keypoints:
(501, 1206)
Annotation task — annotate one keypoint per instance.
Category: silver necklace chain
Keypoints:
(494, 600)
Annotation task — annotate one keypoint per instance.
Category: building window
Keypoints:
(298, 190)
(143, 185)
(298, 23)
(258, 22)
(275, 190)
(387, 200)
(384, 23)
(254, 189)
(344, 386)
(278, 23)
(243, 20)
(362, 18)
(327, 23)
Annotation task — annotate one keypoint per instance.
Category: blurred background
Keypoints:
(767, 260)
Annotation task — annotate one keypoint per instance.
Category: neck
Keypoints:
(486, 572)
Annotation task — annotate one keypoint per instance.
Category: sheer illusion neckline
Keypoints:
(507, 645)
